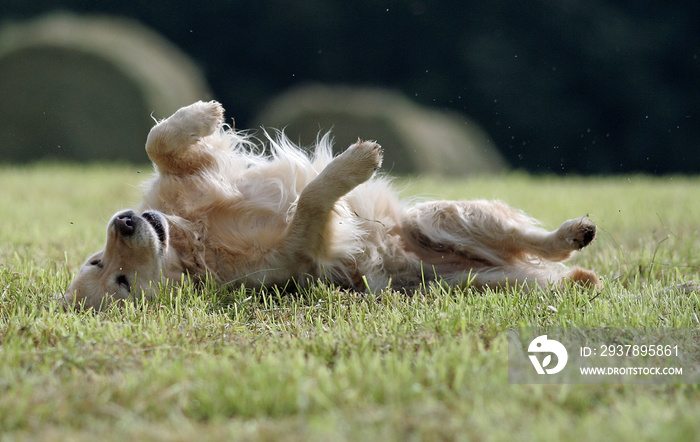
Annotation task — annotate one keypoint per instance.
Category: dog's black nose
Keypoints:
(125, 223)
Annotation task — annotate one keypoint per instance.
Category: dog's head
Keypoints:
(131, 261)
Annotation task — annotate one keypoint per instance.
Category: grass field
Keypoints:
(332, 365)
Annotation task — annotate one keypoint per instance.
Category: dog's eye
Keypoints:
(123, 282)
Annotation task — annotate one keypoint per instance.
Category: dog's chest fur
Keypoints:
(231, 220)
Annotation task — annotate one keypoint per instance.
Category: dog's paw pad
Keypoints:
(578, 233)
(587, 235)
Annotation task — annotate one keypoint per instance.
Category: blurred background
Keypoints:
(563, 87)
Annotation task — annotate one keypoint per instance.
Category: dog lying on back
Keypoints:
(219, 207)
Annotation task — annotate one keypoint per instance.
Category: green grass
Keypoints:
(331, 365)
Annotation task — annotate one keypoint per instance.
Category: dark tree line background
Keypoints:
(566, 86)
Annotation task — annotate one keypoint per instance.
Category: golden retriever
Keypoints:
(219, 207)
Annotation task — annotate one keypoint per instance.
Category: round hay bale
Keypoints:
(83, 88)
(415, 139)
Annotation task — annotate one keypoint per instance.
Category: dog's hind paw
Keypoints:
(583, 278)
(577, 233)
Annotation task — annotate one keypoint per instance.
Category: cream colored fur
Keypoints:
(219, 207)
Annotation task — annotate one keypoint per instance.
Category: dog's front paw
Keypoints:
(359, 161)
(198, 119)
(577, 233)
(366, 155)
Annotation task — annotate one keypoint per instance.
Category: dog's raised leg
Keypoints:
(308, 227)
(557, 245)
(175, 144)
(482, 235)
(496, 231)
